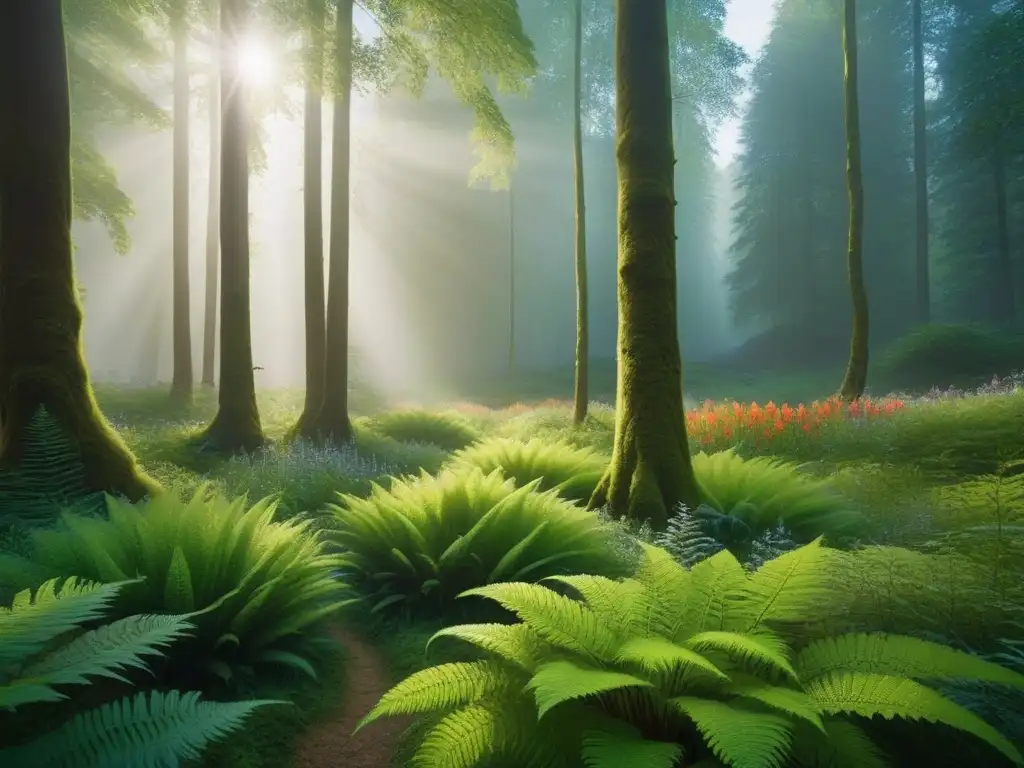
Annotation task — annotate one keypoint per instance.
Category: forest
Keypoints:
(511, 383)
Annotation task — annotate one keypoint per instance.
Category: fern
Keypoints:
(700, 660)
(687, 539)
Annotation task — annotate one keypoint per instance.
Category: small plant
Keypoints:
(252, 586)
(702, 663)
(429, 538)
(43, 649)
(572, 472)
(449, 431)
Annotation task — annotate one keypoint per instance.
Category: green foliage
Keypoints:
(694, 536)
(43, 648)
(674, 662)
(50, 477)
(252, 586)
(763, 492)
(572, 472)
(449, 431)
(949, 355)
(421, 543)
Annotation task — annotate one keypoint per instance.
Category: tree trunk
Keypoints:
(511, 275)
(650, 471)
(212, 236)
(332, 423)
(580, 381)
(921, 171)
(41, 360)
(236, 427)
(181, 381)
(1005, 303)
(313, 224)
(857, 368)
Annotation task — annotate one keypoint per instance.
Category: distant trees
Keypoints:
(580, 384)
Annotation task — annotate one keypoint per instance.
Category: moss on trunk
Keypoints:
(856, 376)
(236, 427)
(41, 360)
(182, 378)
(580, 379)
(650, 470)
(313, 225)
(332, 421)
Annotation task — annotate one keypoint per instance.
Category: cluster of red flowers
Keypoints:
(729, 423)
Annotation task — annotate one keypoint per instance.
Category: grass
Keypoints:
(898, 470)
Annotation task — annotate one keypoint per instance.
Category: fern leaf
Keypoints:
(463, 738)
(445, 686)
(898, 656)
(749, 649)
(789, 701)
(516, 643)
(739, 738)
(286, 659)
(868, 695)
(709, 599)
(614, 749)
(658, 655)
(845, 745)
(158, 730)
(623, 602)
(178, 594)
(559, 681)
(108, 649)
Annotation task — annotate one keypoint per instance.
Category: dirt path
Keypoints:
(330, 743)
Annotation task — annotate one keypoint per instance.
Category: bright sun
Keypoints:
(256, 63)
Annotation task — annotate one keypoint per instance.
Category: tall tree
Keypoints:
(579, 392)
(313, 220)
(236, 427)
(920, 168)
(650, 471)
(182, 380)
(511, 276)
(41, 360)
(212, 234)
(857, 368)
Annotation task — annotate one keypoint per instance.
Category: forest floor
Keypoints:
(891, 468)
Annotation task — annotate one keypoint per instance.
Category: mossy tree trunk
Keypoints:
(212, 236)
(332, 422)
(313, 224)
(511, 275)
(182, 379)
(41, 360)
(580, 380)
(856, 376)
(236, 427)
(650, 470)
(924, 311)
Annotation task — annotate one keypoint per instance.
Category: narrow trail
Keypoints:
(330, 743)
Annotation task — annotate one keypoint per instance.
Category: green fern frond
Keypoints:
(555, 618)
(898, 656)
(445, 686)
(656, 655)
(156, 730)
(764, 652)
(621, 601)
(178, 594)
(714, 584)
(463, 738)
(869, 695)
(556, 682)
(614, 749)
(739, 738)
(788, 701)
(845, 745)
(516, 643)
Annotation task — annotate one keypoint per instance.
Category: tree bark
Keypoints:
(313, 224)
(856, 376)
(511, 275)
(921, 171)
(650, 471)
(41, 360)
(580, 380)
(212, 236)
(181, 381)
(1005, 303)
(236, 427)
(332, 422)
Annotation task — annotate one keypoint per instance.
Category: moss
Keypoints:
(650, 470)
(41, 360)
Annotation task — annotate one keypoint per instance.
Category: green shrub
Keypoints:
(449, 431)
(253, 584)
(421, 543)
(43, 649)
(763, 492)
(703, 662)
(573, 472)
(949, 355)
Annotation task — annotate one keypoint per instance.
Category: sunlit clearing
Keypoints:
(256, 63)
